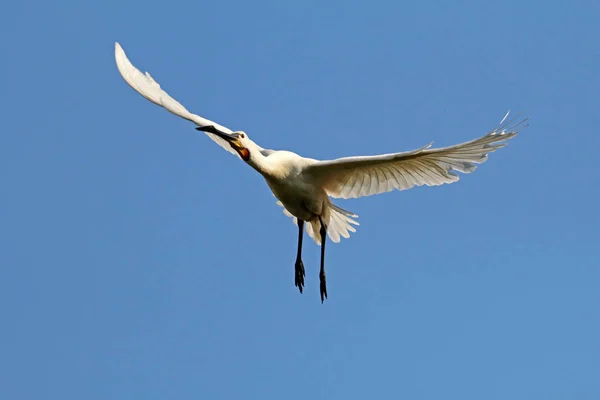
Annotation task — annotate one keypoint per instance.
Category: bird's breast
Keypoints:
(299, 196)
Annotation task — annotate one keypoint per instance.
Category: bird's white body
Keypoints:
(296, 191)
(302, 198)
(304, 186)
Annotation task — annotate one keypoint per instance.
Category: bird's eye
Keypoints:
(242, 136)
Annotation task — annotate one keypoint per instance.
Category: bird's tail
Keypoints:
(339, 223)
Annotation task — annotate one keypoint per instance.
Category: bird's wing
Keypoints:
(353, 177)
(150, 89)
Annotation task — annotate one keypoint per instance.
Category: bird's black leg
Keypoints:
(299, 281)
(322, 279)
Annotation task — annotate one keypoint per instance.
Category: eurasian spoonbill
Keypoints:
(304, 186)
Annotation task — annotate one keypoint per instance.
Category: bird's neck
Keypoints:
(260, 163)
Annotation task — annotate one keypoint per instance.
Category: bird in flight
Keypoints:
(305, 186)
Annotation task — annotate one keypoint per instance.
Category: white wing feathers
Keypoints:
(353, 177)
(145, 85)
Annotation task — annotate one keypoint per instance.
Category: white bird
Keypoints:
(304, 186)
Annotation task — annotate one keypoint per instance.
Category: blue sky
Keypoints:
(139, 260)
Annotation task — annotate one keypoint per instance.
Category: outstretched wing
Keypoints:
(353, 177)
(145, 85)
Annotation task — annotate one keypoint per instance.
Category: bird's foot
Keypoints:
(323, 286)
(300, 274)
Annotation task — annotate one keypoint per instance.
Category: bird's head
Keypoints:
(239, 140)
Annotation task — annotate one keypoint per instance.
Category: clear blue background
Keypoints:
(140, 260)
